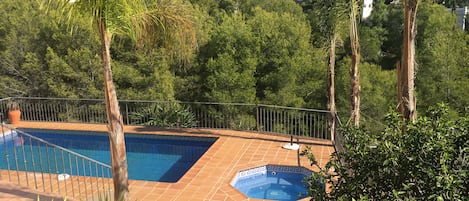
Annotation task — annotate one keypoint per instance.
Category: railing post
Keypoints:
(331, 122)
(66, 111)
(126, 113)
(4, 142)
(257, 119)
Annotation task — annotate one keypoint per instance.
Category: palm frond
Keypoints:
(154, 23)
(168, 24)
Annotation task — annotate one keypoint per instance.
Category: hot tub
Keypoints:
(273, 182)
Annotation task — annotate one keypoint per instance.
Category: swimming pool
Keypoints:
(161, 158)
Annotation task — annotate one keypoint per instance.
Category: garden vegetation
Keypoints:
(423, 160)
(279, 52)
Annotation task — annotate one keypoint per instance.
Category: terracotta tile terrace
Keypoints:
(210, 177)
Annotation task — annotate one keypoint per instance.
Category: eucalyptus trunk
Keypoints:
(115, 123)
(354, 71)
(331, 88)
(406, 72)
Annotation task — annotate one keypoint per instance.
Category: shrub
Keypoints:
(167, 115)
(423, 160)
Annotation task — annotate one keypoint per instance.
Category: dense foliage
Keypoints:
(167, 116)
(264, 51)
(424, 160)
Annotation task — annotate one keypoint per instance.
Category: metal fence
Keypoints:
(35, 163)
(298, 122)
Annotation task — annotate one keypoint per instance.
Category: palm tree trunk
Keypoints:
(331, 88)
(354, 73)
(115, 123)
(355, 93)
(406, 99)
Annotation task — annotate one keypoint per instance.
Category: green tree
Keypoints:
(218, 8)
(21, 63)
(71, 81)
(142, 74)
(421, 160)
(162, 22)
(44, 45)
(371, 39)
(378, 92)
(248, 7)
(392, 45)
(285, 57)
(228, 62)
(442, 57)
(373, 34)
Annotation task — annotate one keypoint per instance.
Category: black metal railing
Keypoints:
(35, 163)
(298, 122)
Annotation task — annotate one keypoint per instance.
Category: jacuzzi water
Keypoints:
(284, 186)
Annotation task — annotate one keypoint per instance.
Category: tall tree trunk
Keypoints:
(354, 72)
(406, 99)
(115, 123)
(331, 88)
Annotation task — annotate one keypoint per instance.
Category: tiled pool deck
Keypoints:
(210, 177)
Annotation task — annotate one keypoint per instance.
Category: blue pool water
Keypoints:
(284, 186)
(149, 157)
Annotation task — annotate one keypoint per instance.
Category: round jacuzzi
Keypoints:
(273, 182)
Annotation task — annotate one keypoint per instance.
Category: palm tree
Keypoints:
(164, 22)
(330, 23)
(354, 74)
(331, 87)
(334, 26)
(406, 70)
